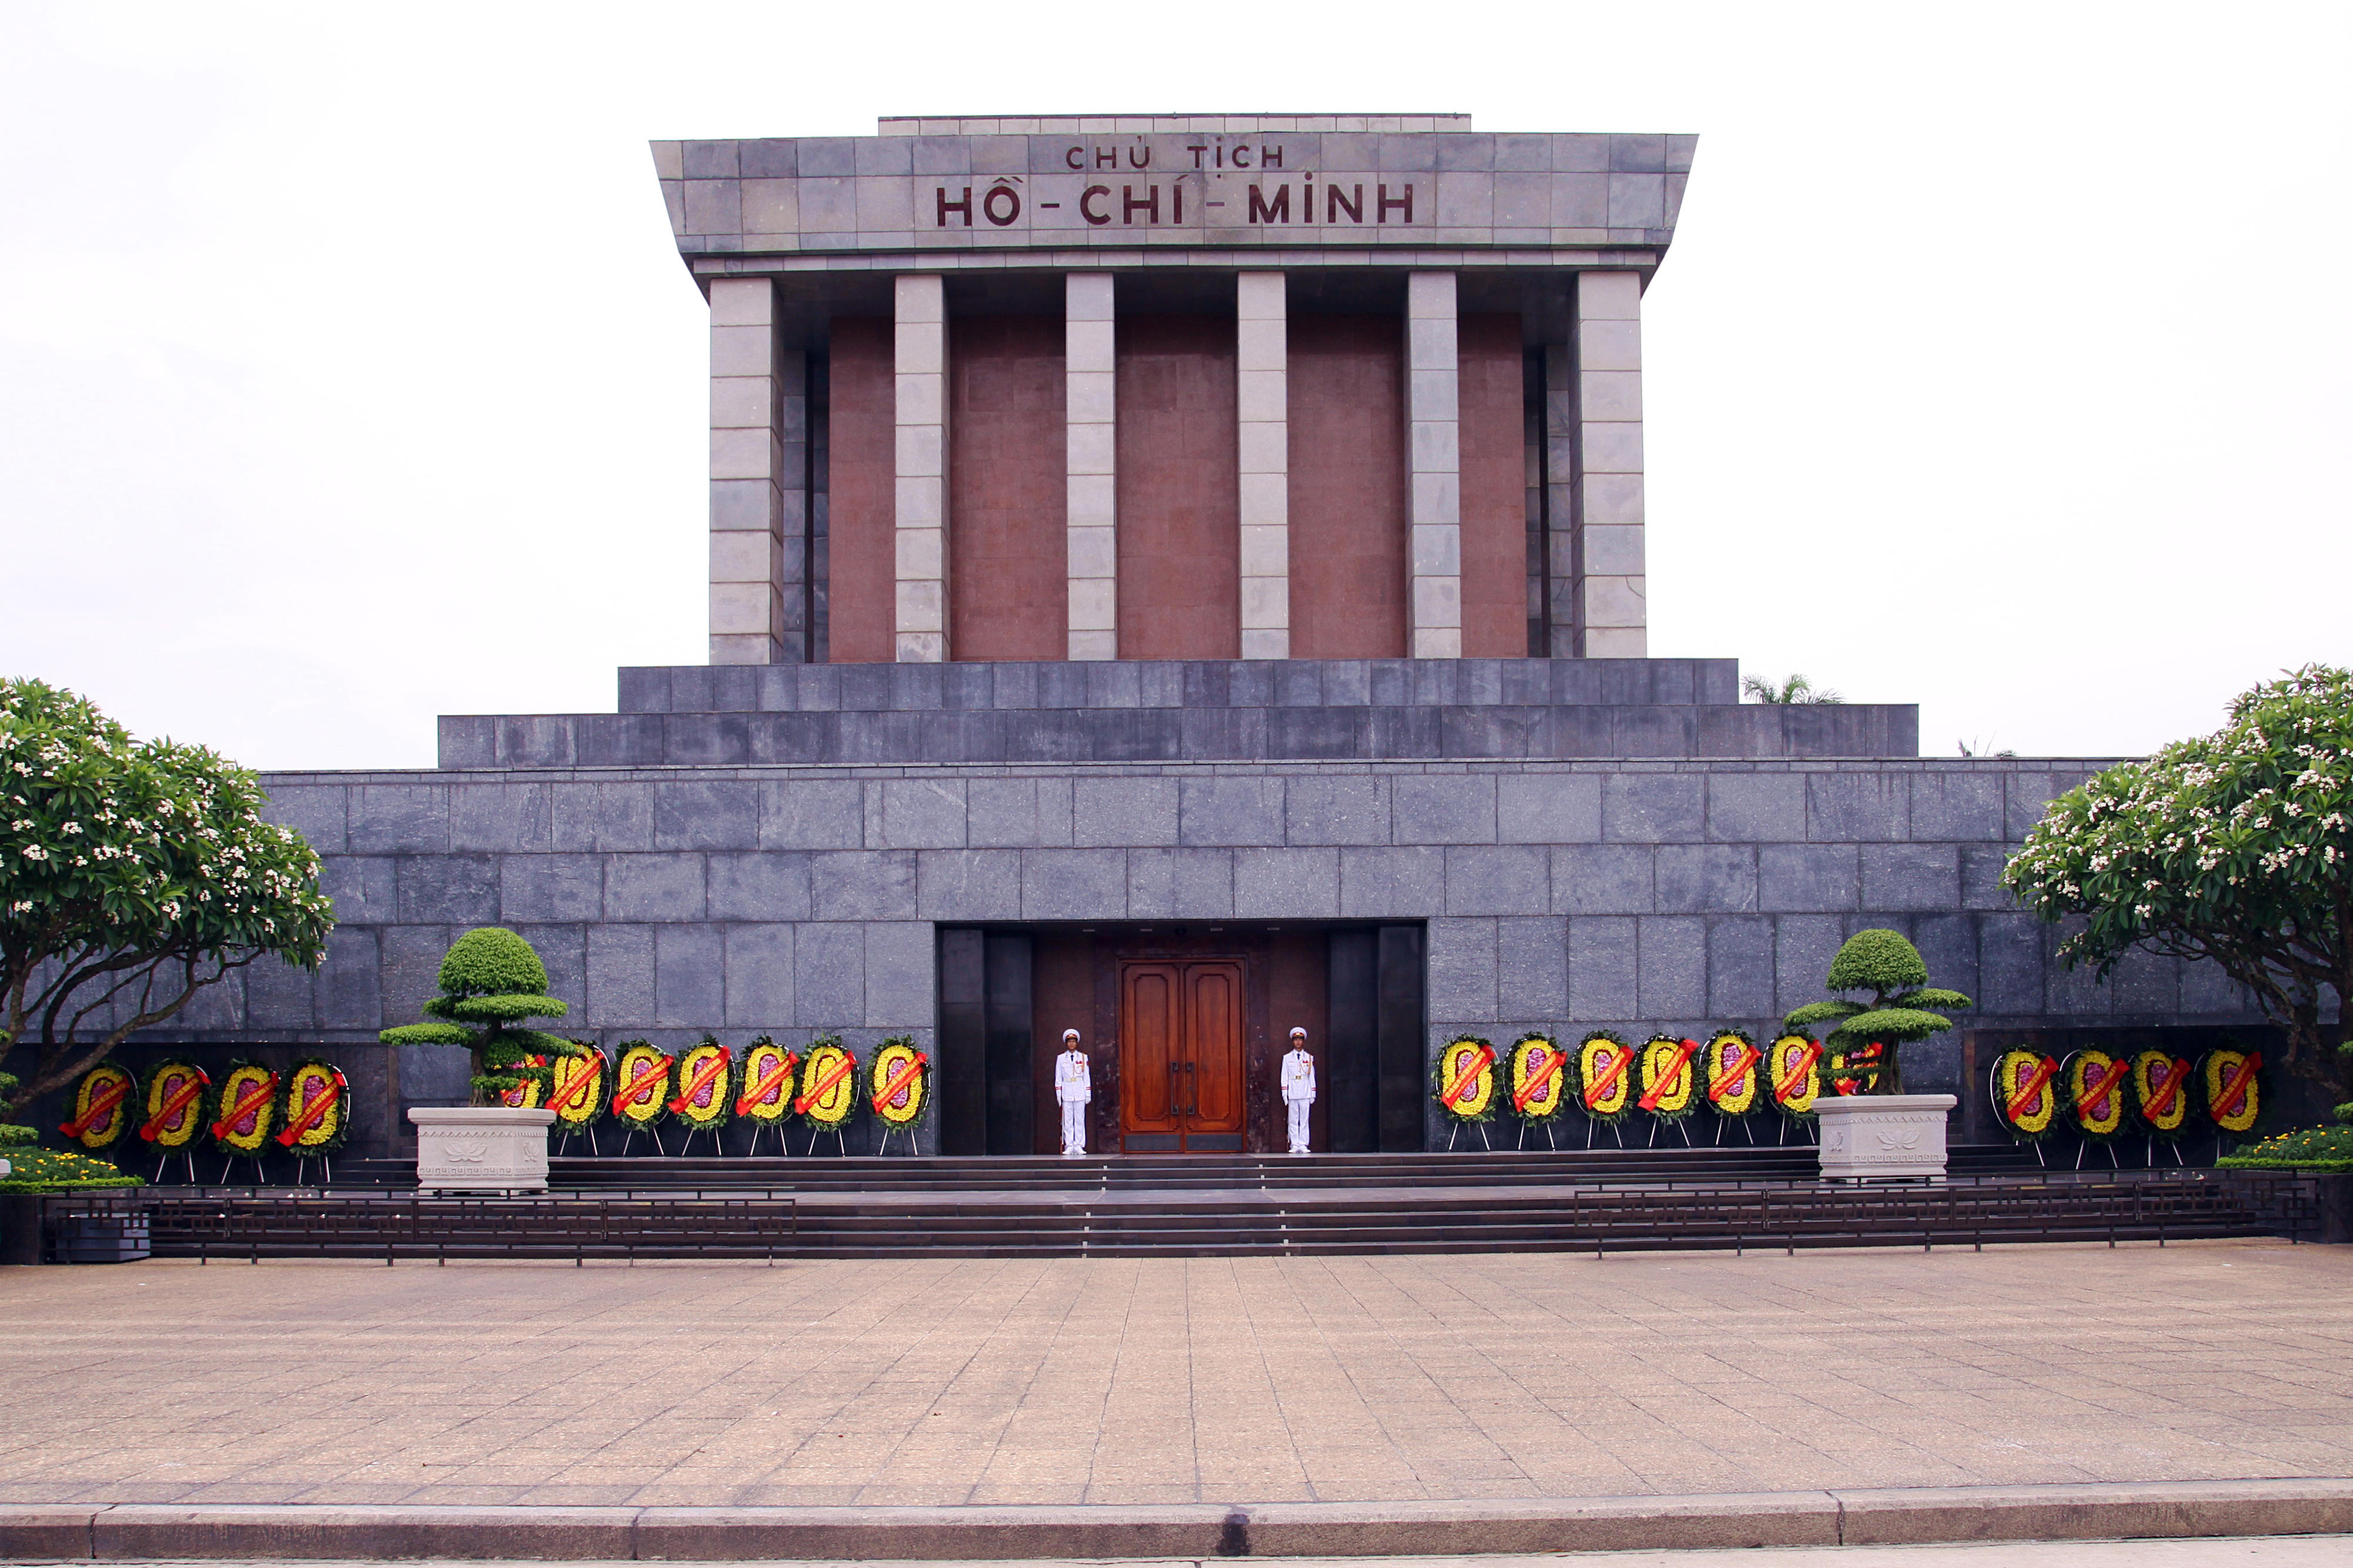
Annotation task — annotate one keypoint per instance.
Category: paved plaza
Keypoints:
(919, 1382)
(2211, 1552)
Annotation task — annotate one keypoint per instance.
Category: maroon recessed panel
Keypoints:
(1179, 499)
(1348, 560)
(1009, 591)
(1495, 489)
(861, 500)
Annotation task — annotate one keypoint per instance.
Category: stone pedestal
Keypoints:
(1877, 1135)
(482, 1149)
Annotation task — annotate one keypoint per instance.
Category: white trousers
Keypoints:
(1074, 1127)
(1299, 1110)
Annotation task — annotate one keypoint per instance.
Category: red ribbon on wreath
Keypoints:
(261, 1094)
(710, 1069)
(1789, 1081)
(1479, 1063)
(1658, 1092)
(576, 1088)
(2234, 1093)
(2165, 1090)
(841, 1070)
(651, 1074)
(2027, 1096)
(901, 1079)
(100, 1107)
(781, 1073)
(1598, 1091)
(178, 1102)
(2094, 1094)
(1554, 1056)
(1717, 1088)
(330, 1090)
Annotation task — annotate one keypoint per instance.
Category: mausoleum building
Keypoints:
(1178, 578)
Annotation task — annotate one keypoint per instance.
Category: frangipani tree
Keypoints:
(132, 875)
(492, 984)
(1890, 969)
(2235, 849)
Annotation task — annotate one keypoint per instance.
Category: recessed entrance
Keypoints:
(1184, 1024)
(1180, 1034)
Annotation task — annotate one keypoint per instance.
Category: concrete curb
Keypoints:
(145, 1532)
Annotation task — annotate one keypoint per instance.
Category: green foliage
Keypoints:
(491, 960)
(132, 874)
(490, 981)
(1877, 961)
(1889, 968)
(2235, 849)
(1796, 690)
(59, 1170)
(13, 1135)
(2312, 1149)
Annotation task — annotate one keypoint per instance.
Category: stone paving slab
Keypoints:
(1530, 1531)
(2264, 1551)
(912, 1383)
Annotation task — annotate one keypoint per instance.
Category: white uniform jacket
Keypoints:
(1298, 1075)
(1073, 1083)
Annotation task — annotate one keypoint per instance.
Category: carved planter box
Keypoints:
(480, 1149)
(1875, 1135)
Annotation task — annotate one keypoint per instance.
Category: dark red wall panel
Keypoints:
(862, 590)
(1348, 560)
(1008, 588)
(1179, 501)
(1494, 490)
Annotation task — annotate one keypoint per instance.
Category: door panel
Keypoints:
(1181, 1078)
(1213, 1020)
(1150, 1034)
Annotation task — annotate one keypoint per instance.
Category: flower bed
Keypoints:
(34, 1170)
(2314, 1148)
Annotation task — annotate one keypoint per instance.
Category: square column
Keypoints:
(1090, 464)
(1611, 607)
(1564, 637)
(920, 498)
(1262, 358)
(759, 480)
(1434, 465)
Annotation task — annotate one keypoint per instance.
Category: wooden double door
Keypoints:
(1181, 1027)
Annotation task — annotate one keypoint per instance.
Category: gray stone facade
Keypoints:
(1557, 895)
(1193, 710)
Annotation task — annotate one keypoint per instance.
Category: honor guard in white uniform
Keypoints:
(1074, 1088)
(1298, 1089)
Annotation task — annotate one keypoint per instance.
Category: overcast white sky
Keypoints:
(348, 375)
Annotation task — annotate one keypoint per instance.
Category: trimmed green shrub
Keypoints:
(491, 983)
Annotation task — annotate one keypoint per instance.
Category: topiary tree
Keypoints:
(132, 875)
(12, 1136)
(2234, 849)
(1871, 1034)
(491, 983)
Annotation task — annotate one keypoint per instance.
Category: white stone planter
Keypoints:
(1873, 1135)
(480, 1149)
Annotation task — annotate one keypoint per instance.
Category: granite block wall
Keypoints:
(1637, 895)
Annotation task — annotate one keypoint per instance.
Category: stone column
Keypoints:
(759, 480)
(1563, 637)
(920, 498)
(1434, 465)
(1610, 593)
(1262, 355)
(1091, 465)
